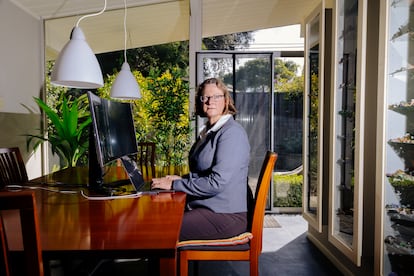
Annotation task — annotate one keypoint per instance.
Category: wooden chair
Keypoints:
(32, 263)
(146, 159)
(12, 167)
(4, 262)
(245, 247)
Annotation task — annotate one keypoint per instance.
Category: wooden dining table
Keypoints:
(73, 226)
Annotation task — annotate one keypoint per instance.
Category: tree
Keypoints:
(228, 42)
(253, 76)
(162, 115)
(287, 81)
(285, 70)
(140, 118)
(158, 57)
(216, 67)
(165, 56)
(167, 107)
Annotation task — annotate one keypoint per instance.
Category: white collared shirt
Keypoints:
(223, 119)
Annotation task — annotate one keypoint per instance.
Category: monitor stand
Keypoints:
(98, 187)
(96, 182)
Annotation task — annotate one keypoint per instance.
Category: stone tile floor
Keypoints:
(292, 226)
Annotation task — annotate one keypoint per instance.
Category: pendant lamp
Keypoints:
(125, 85)
(77, 65)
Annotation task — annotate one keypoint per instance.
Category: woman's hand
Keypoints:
(173, 177)
(164, 183)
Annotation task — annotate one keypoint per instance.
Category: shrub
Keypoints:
(287, 190)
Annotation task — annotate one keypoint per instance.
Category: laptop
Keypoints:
(134, 174)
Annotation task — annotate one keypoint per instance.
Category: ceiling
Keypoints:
(152, 22)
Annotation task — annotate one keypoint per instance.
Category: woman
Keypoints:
(216, 186)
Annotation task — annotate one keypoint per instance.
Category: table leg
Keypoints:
(168, 267)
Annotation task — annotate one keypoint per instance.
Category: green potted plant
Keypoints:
(68, 130)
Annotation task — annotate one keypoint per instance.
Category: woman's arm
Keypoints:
(221, 160)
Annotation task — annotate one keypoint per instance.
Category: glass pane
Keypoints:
(313, 126)
(399, 147)
(315, 38)
(250, 86)
(253, 82)
(288, 131)
(345, 120)
(217, 66)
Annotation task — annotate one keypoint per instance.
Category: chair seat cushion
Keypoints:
(239, 243)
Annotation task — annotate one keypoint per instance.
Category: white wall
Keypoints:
(21, 51)
(21, 78)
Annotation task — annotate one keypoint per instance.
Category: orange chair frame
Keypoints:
(227, 254)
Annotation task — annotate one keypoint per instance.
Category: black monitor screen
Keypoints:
(113, 129)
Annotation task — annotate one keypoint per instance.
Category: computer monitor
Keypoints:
(112, 136)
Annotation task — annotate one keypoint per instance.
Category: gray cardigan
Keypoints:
(218, 170)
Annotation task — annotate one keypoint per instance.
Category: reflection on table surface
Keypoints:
(148, 224)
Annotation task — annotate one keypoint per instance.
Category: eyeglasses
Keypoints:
(205, 99)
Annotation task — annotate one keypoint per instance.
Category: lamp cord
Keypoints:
(93, 14)
(125, 30)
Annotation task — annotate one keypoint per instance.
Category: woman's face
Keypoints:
(214, 103)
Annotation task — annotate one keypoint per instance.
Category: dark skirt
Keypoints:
(202, 223)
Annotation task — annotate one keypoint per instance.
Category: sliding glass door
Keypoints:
(263, 114)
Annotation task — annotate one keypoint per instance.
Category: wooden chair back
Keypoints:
(262, 190)
(32, 264)
(237, 252)
(12, 167)
(146, 159)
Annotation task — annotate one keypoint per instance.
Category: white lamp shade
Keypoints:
(77, 65)
(125, 85)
